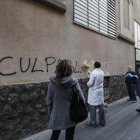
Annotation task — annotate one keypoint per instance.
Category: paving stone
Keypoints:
(123, 123)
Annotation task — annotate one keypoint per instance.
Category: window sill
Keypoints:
(53, 4)
(121, 36)
(79, 24)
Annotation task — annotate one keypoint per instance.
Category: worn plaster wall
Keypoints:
(31, 30)
(125, 17)
(136, 10)
(126, 14)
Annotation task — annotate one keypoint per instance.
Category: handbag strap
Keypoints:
(72, 94)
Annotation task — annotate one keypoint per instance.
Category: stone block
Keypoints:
(2, 99)
(43, 110)
(34, 96)
(25, 97)
(38, 106)
(19, 107)
(28, 109)
(42, 93)
(36, 116)
(7, 110)
(13, 98)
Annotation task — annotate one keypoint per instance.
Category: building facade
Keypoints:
(137, 34)
(36, 34)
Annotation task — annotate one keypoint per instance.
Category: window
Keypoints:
(137, 35)
(98, 15)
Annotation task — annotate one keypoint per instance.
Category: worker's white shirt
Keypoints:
(95, 84)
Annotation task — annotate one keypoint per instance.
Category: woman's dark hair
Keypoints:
(64, 69)
(97, 65)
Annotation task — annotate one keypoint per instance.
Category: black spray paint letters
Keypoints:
(34, 67)
(47, 64)
(73, 68)
(2, 60)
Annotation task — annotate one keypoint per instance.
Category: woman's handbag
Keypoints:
(78, 111)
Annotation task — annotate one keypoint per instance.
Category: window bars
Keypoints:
(98, 15)
(137, 35)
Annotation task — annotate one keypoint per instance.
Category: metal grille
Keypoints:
(106, 82)
(98, 15)
(106, 93)
(137, 34)
(106, 87)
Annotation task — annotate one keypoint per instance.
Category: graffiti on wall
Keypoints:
(34, 68)
(31, 63)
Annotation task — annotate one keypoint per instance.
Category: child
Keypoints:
(105, 107)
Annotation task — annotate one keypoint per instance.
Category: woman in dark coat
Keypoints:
(138, 87)
(58, 100)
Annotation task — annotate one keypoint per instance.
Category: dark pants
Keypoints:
(69, 134)
(131, 88)
(138, 89)
(93, 115)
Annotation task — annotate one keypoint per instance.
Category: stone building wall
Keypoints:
(24, 108)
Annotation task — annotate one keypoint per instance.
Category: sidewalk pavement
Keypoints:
(122, 123)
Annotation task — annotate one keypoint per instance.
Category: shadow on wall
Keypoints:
(41, 6)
